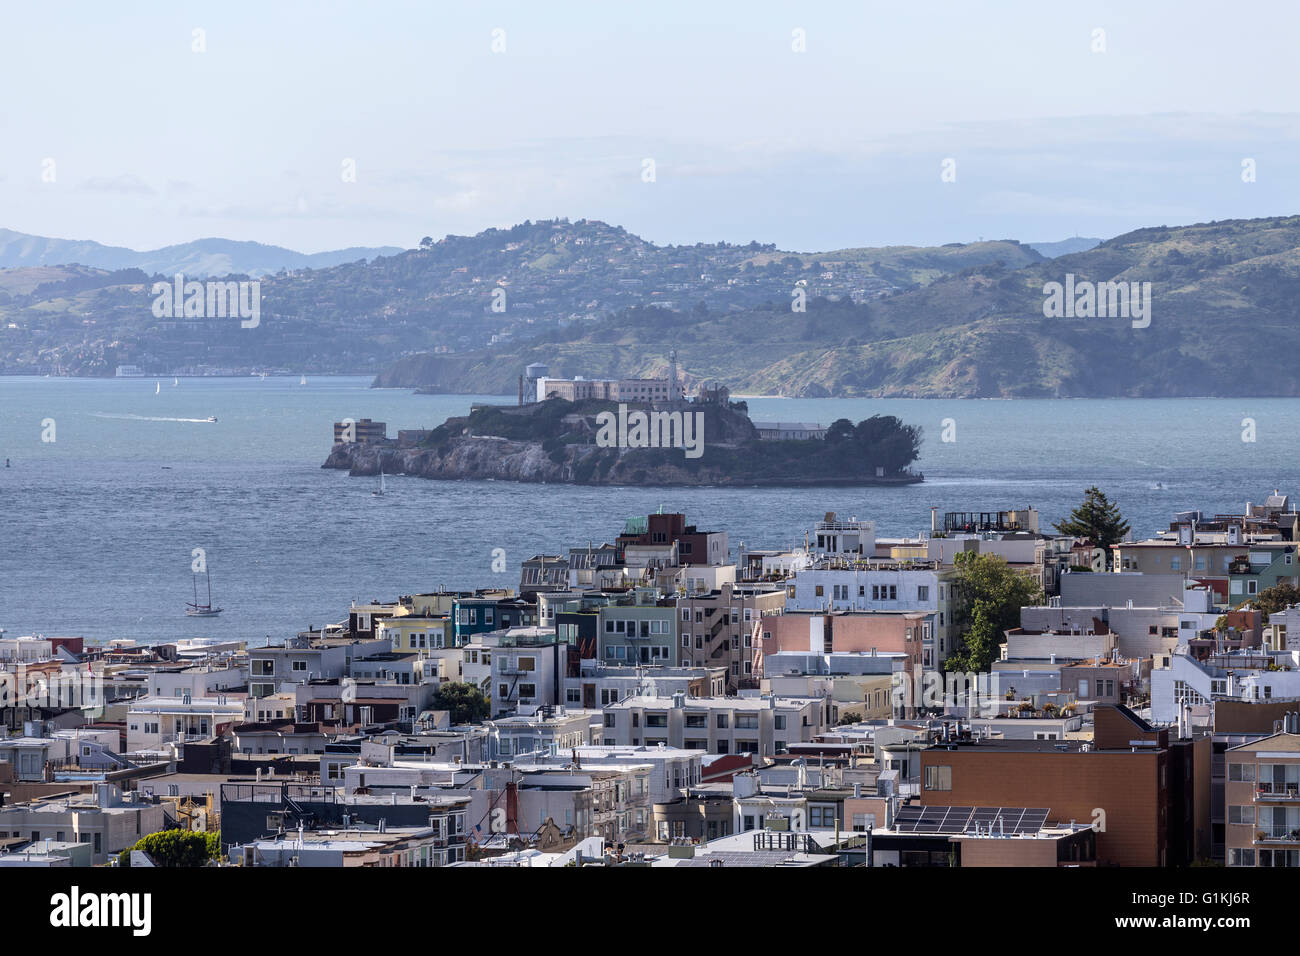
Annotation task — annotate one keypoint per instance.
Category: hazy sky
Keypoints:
(154, 143)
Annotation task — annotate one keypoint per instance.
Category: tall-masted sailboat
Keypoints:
(202, 610)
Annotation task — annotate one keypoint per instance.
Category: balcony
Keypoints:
(1278, 834)
(1277, 791)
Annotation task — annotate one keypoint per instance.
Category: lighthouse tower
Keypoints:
(674, 394)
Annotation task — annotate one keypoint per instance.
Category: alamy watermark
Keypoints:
(68, 688)
(640, 429)
(1100, 300)
(213, 299)
(967, 691)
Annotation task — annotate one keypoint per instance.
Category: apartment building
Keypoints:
(693, 546)
(108, 820)
(155, 722)
(717, 629)
(718, 725)
(259, 811)
(1147, 790)
(554, 731)
(277, 667)
(1262, 799)
(598, 684)
(640, 627)
(916, 586)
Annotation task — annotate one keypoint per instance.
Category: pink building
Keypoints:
(847, 632)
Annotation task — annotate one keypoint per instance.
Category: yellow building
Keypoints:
(416, 632)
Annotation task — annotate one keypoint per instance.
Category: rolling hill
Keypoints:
(200, 258)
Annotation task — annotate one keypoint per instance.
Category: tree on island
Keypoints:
(1097, 519)
(465, 702)
(879, 441)
(990, 594)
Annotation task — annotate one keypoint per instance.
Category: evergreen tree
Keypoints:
(1097, 519)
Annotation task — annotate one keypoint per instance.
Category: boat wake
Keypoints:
(150, 418)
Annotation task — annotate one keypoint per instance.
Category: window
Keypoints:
(821, 817)
(697, 720)
(1241, 772)
(722, 721)
(923, 592)
(1252, 587)
(819, 591)
(779, 721)
(1239, 857)
(609, 720)
(686, 640)
(1241, 814)
(298, 665)
(938, 778)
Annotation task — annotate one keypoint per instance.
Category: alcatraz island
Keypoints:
(637, 431)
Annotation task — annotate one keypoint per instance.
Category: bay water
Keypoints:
(97, 526)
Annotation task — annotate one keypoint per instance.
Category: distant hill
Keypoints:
(1050, 250)
(1225, 321)
(495, 290)
(202, 257)
(468, 313)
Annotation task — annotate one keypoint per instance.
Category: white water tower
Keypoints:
(533, 375)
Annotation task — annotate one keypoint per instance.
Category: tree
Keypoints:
(990, 594)
(1097, 519)
(840, 430)
(1277, 598)
(465, 701)
(176, 848)
(426, 242)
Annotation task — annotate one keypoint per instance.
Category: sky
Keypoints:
(813, 125)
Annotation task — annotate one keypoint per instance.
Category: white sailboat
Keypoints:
(383, 488)
(157, 388)
(202, 610)
(303, 380)
(175, 382)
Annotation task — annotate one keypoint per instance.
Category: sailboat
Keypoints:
(202, 610)
(383, 488)
(175, 382)
(157, 388)
(303, 380)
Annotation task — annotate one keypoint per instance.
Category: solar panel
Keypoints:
(937, 820)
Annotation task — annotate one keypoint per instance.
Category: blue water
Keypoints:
(97, 527)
